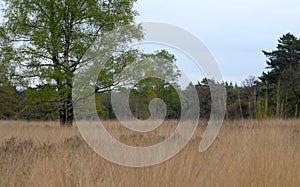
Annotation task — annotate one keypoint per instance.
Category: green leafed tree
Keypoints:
(151, 76)
(50, 38)
(10, 105)
(10, 101)
(6, 58)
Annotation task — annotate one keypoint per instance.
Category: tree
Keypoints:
(150, 76)
(6, 57)
(152, 88)
(250, 88)
(52, 36)
(204, 95)
(40, 103)
(10, 97)
(284, 74)
(10, 101)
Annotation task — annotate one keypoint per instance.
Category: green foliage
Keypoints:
(283, 79)
(41, 103)
(101, 106)
(204, 98)
(10, 105)
(51, 38)
(42, 45)
(260, 105)
(152, 88)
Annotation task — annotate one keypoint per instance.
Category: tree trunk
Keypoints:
(286, 106)
(240, 105)
(278, 99)
(249, 108)
(282, 108)
(296, 110)
(227, 115)
(70, 112)
(62, 110)
(254, 104)
(266, 104)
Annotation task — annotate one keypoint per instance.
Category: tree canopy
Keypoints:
(51, 37)
(284, 72)
(45, 44)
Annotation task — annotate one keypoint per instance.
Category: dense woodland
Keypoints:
(275, 94)
(42, 44)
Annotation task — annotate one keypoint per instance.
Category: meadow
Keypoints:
(246, 153)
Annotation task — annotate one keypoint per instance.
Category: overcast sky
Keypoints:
(235, 31)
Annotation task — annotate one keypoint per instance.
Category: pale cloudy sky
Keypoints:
(235, 31)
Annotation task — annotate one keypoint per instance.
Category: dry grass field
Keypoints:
(246, 153)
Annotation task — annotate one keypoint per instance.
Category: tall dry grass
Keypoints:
(246, 153)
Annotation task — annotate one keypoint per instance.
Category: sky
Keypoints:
(235, 31)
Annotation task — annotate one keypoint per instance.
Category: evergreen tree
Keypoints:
(284, 72)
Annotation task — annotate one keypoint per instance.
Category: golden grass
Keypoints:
(246, 153)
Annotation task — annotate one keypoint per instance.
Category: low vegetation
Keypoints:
(246, 153)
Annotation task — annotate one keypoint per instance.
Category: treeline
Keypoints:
(275, 94)
(250, 101)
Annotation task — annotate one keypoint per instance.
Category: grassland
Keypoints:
(246, 153)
